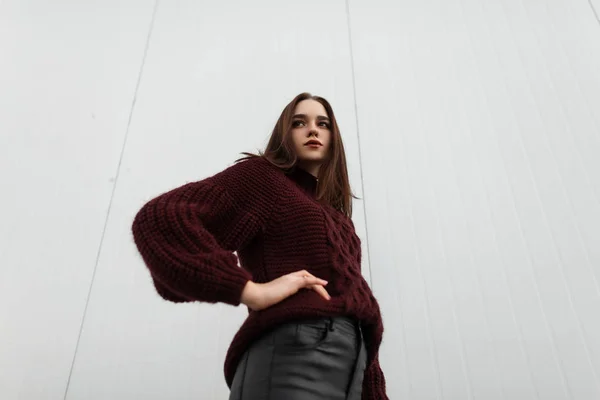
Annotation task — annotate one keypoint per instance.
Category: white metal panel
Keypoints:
(479, 140)
(478, 125)
(68, 71)
(215, 80)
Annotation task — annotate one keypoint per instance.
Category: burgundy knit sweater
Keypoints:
(271, 218)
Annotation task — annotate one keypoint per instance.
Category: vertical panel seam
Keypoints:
(110, 203)
(594, 11)
(526, 245)
(362, 181)
(496, 243)
(439, 390)
(468, 229)
(557, 252)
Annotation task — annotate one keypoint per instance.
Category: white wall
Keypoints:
(472, 133)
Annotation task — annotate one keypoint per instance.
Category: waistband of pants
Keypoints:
(346, 324)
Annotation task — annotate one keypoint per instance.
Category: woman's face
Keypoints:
(310, 122)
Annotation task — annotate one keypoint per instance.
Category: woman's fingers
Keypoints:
(321, 290)
(310, 281)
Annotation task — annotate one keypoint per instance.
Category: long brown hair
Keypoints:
(333, 187)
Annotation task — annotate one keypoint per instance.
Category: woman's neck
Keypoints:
(311, 168)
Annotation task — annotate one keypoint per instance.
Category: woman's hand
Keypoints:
(259, 296)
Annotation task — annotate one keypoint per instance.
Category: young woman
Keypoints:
(313, 329)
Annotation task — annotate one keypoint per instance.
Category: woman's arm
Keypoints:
(187, 236)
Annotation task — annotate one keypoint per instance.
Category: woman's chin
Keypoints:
(312, 159)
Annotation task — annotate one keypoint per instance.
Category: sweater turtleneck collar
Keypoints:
(304, 179)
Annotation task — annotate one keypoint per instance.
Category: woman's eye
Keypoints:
(301, 122)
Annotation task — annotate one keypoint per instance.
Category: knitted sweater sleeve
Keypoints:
(374, 382)
(187, 236)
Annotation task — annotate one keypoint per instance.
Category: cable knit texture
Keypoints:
(273, 222)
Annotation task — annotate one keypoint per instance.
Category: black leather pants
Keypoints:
(316, 359)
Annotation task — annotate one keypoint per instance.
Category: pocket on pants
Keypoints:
(301, 336)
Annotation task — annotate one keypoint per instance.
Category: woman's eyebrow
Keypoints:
(318, 116)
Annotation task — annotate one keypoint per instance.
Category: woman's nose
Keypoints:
(313, 126)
